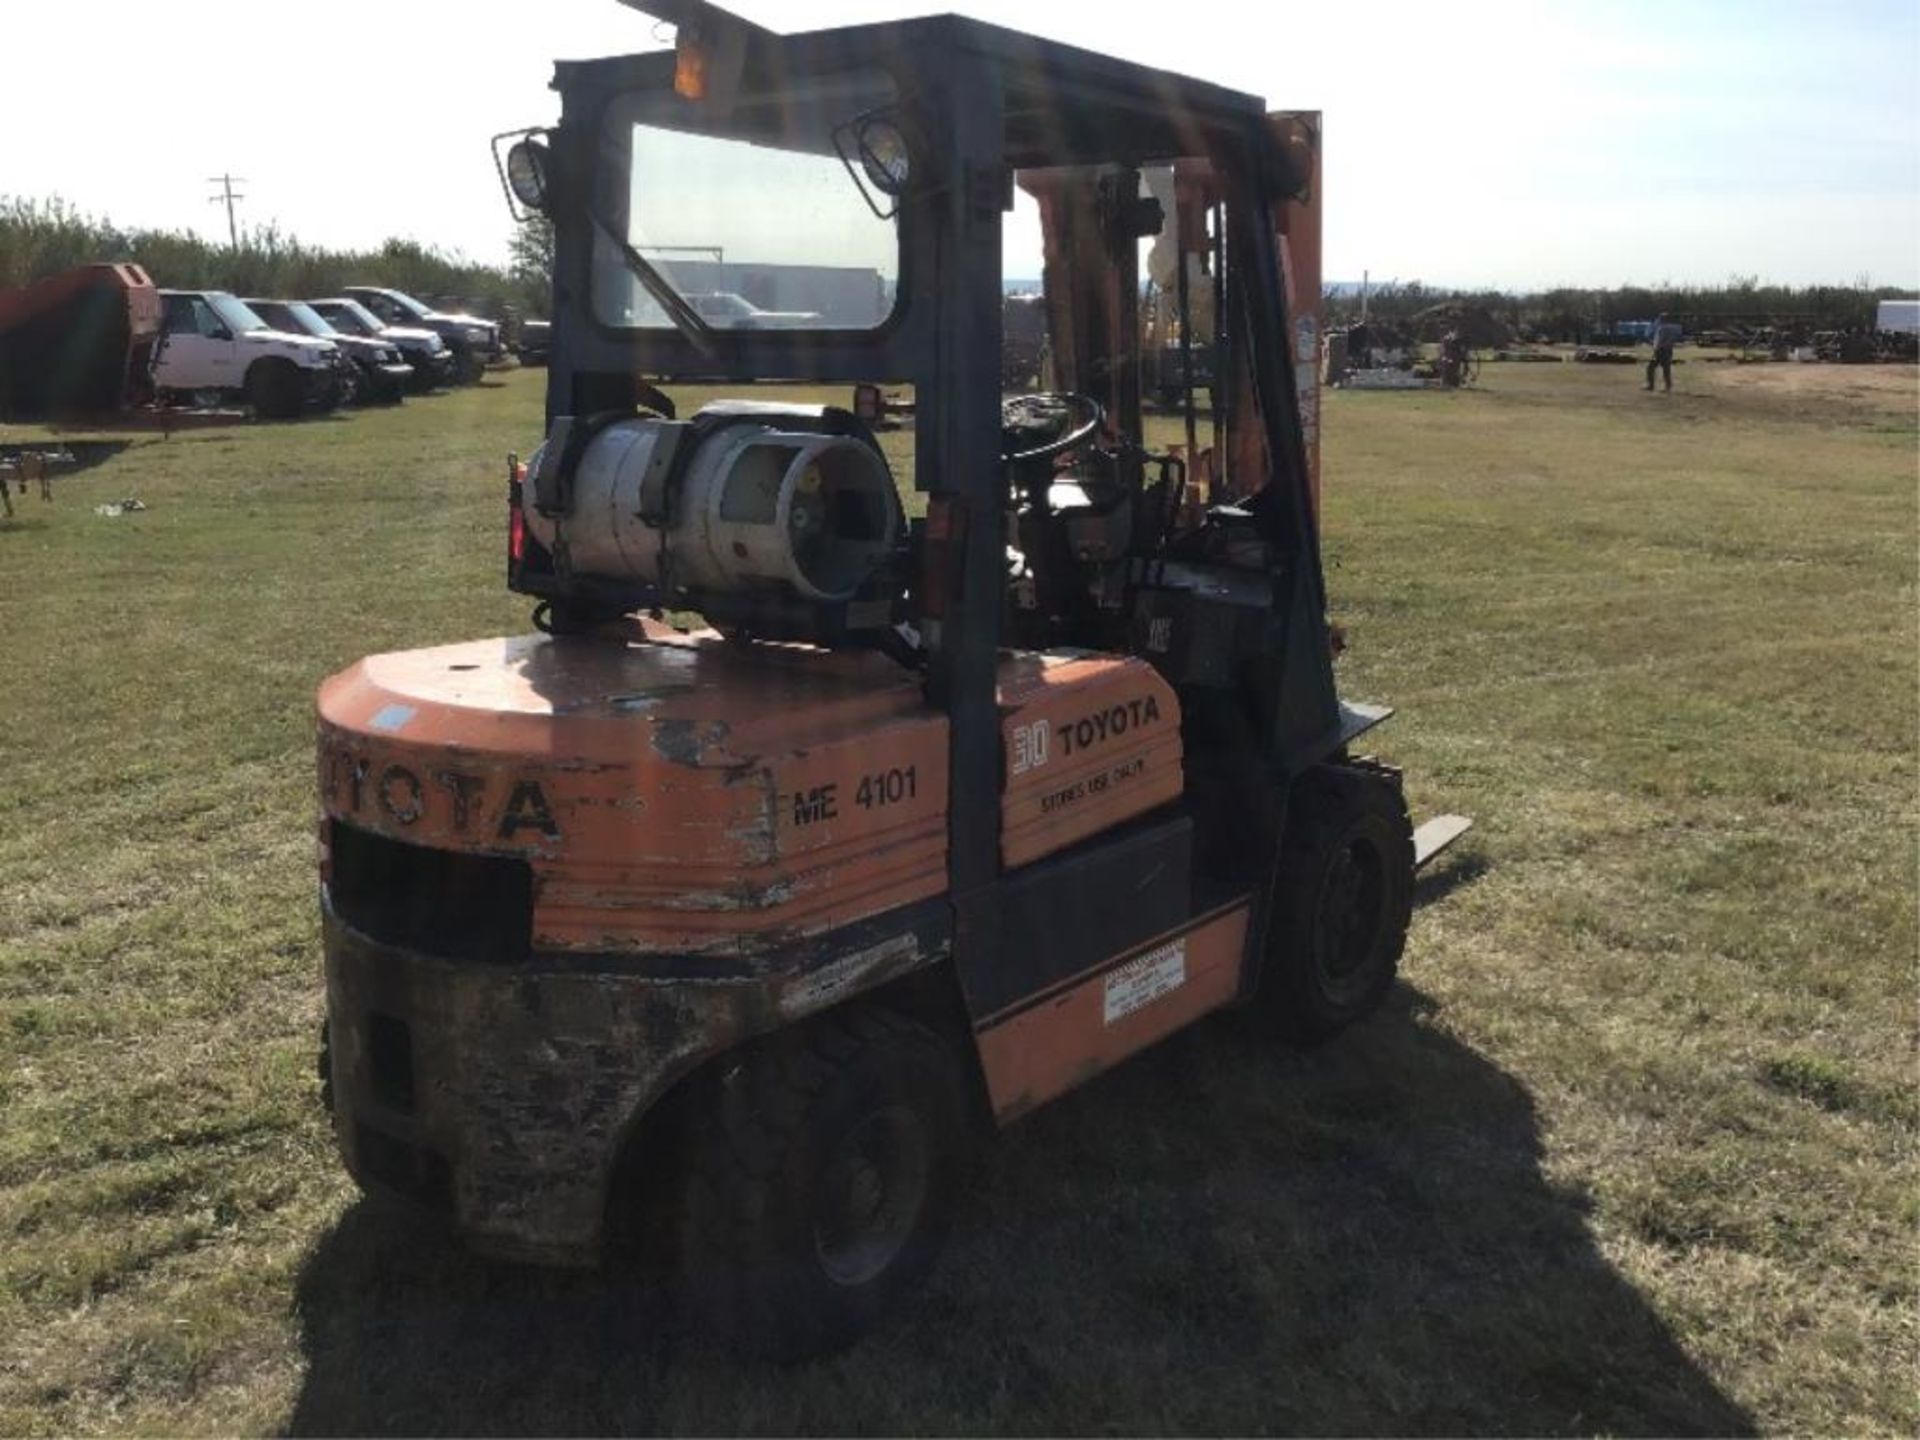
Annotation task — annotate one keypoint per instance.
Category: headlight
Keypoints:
(435, 345)
(389, 357)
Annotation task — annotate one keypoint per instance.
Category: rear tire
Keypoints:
(821, 1184)
(324, 1065)
(1343, 901)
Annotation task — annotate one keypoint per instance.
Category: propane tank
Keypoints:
(752, 505)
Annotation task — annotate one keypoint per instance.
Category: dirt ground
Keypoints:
(1878, 386)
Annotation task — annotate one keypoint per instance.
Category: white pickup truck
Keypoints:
(211, 342)
(725, 310)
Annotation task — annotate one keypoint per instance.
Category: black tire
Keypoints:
(324, 1064)
(274, 390)
(468, 367)
(1342, 902)
(821, 1182)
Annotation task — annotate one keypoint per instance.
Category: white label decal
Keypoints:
(1030, 746)
(1143, 981)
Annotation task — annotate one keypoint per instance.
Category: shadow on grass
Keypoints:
(306, 419)
(1447, 874)
(1218, 1237)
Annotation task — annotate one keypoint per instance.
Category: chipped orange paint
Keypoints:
(678, 794)
(1071, 1036)
(672, 795)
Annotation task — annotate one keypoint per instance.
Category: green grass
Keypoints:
(1632, 1149)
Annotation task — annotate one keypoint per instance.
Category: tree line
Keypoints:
(1572, 315)
(43, 237)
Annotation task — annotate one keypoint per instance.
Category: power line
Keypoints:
(228, 196)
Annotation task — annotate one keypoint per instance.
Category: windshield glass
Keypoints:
(760, 229)
(273, 314)
(235, 316)
(405, 303)
(352, 315)
(311, 320)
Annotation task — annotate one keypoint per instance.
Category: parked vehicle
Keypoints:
(725, 310)
(475, 342)
(425, 351)
(535, 338)
(380, 374)
(210, 342)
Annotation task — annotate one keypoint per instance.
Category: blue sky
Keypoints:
(1498, 142)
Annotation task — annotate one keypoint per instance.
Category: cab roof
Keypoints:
(1063, 104)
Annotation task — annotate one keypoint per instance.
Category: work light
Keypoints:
(527, 174)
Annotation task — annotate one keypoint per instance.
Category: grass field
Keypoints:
(1632, 1149)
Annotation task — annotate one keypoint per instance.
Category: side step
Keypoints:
(1436, 835)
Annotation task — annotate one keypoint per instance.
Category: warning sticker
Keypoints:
(1143, 981)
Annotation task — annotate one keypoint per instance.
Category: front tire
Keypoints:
(275, 390)
(822, 1182)
(1343, 901)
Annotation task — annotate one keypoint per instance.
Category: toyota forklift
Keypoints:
(832, 814)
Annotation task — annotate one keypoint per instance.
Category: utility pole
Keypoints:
(228, 196)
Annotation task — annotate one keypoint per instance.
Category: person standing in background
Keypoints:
(1665, 337)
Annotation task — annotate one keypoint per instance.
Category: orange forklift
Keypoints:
(805, 839)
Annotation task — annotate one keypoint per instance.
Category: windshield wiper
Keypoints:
(685, 318)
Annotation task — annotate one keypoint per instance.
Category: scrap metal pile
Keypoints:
(1371, 355)
(22, 467)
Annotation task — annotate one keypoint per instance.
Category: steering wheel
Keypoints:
(1049, 413)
